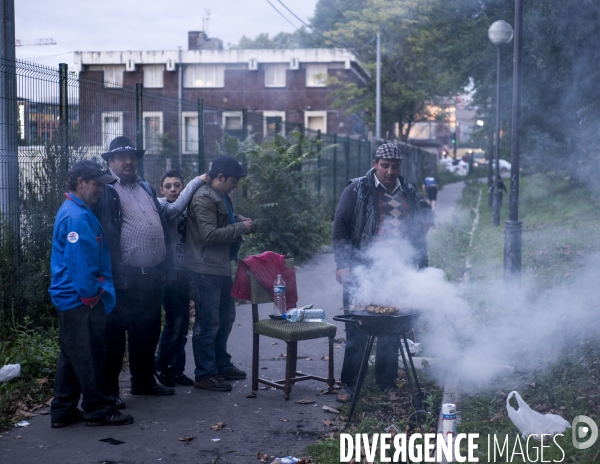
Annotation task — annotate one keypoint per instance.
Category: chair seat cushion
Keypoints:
(293, 331)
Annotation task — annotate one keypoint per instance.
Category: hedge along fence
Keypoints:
(58, 118)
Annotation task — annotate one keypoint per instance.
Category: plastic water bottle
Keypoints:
(304, 315)
(279, 305)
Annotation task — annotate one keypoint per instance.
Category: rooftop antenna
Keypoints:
(205, 22)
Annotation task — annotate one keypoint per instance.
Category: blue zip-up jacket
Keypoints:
(80, 259)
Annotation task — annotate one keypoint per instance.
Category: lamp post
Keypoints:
(499, 33)
(513, 227)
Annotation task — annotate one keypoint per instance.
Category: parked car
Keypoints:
(457, 166)
(504, 165)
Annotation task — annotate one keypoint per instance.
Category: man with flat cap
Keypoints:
(380, 206)
(214, 235)
(82, 291)
(138, 239)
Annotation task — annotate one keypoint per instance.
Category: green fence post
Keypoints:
(319, 161)
(244, 124)
(64, 110)
(201, 162)
(347, 156)
(139, 124)
(334, 171)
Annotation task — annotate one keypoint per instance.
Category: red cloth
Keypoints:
(265, 268)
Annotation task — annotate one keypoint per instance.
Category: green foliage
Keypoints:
(279, 195)
(36, 349)
(281, 41)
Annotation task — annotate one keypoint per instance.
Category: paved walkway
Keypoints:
(267, 424)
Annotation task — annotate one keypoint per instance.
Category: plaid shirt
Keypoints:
(142, 236)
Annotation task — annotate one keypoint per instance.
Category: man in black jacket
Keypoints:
(380, 206)
(136, 232)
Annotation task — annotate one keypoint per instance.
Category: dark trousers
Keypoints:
(81, 363)
(214, 319)
(171, 347)
(136, 314)
(386, 354)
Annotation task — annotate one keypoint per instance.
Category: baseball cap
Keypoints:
(87, 170)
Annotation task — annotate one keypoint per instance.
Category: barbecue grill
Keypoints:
(375, 325)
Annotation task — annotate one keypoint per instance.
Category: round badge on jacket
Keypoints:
(72, 237)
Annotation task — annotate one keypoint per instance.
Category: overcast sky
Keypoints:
(84, 25)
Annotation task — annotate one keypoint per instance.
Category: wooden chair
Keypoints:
(291, 333)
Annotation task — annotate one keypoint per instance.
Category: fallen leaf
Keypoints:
(25, 414)
(262, 457)
(337, 346)
(330, 391)
(251, 395)
(42, 381)
(219, 426)
(274, 343)
(325, 358)
(339, 340)
(284, 420)
(283, 355)
(190, 438)
(496, 417)
(18, 437)
(328, 409)
(328, 422)
(342, 418)
(43, 413)
(48, 403)
(305, 401)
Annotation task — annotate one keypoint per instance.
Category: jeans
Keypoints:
(386, 354)
(171, 347)
(136, 314)
(80, 367)
(214, 319)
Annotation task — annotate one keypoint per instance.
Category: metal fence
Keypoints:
(80, 117)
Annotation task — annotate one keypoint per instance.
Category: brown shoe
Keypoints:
(233, 373)
(213, 382)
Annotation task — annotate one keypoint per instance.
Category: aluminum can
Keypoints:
(449, 420)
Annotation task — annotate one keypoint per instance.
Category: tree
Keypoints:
(411, 79)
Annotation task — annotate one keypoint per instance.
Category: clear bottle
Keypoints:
(304, 315)
(279, 305)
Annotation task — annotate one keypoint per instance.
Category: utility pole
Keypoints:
(378, 91)
(9, 157)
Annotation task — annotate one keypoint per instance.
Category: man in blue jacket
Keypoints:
(82, 291)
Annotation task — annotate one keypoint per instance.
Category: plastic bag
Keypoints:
(10, 371)
(530, 422)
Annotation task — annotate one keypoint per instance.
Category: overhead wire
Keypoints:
(351, 47)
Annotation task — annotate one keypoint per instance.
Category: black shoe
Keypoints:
(155, 390)
(119, 403)
(233, 373)
(112, 418)
(213, 382)
(74, 418)
(166, 378)
(183, 379)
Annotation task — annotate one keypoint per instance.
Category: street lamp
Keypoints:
(499, 33)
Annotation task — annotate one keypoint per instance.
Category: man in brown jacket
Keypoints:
(213, 239)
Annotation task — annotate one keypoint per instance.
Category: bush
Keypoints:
(279, 195)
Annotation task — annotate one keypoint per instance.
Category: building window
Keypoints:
(190, 131)
(316, 75)
(316, 120)
(270, 121)
(154, 76)
(112, 126)
(204, 75)
(232, 123)
(153, 129)
(275, 75)
(113, 76)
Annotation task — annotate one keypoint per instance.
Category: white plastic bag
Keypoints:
(10, 371)
(530, 422)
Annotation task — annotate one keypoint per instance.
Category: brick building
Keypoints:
(277, 86)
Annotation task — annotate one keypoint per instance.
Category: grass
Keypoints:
(560, 230)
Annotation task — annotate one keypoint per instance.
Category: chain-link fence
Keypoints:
(78, 117)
